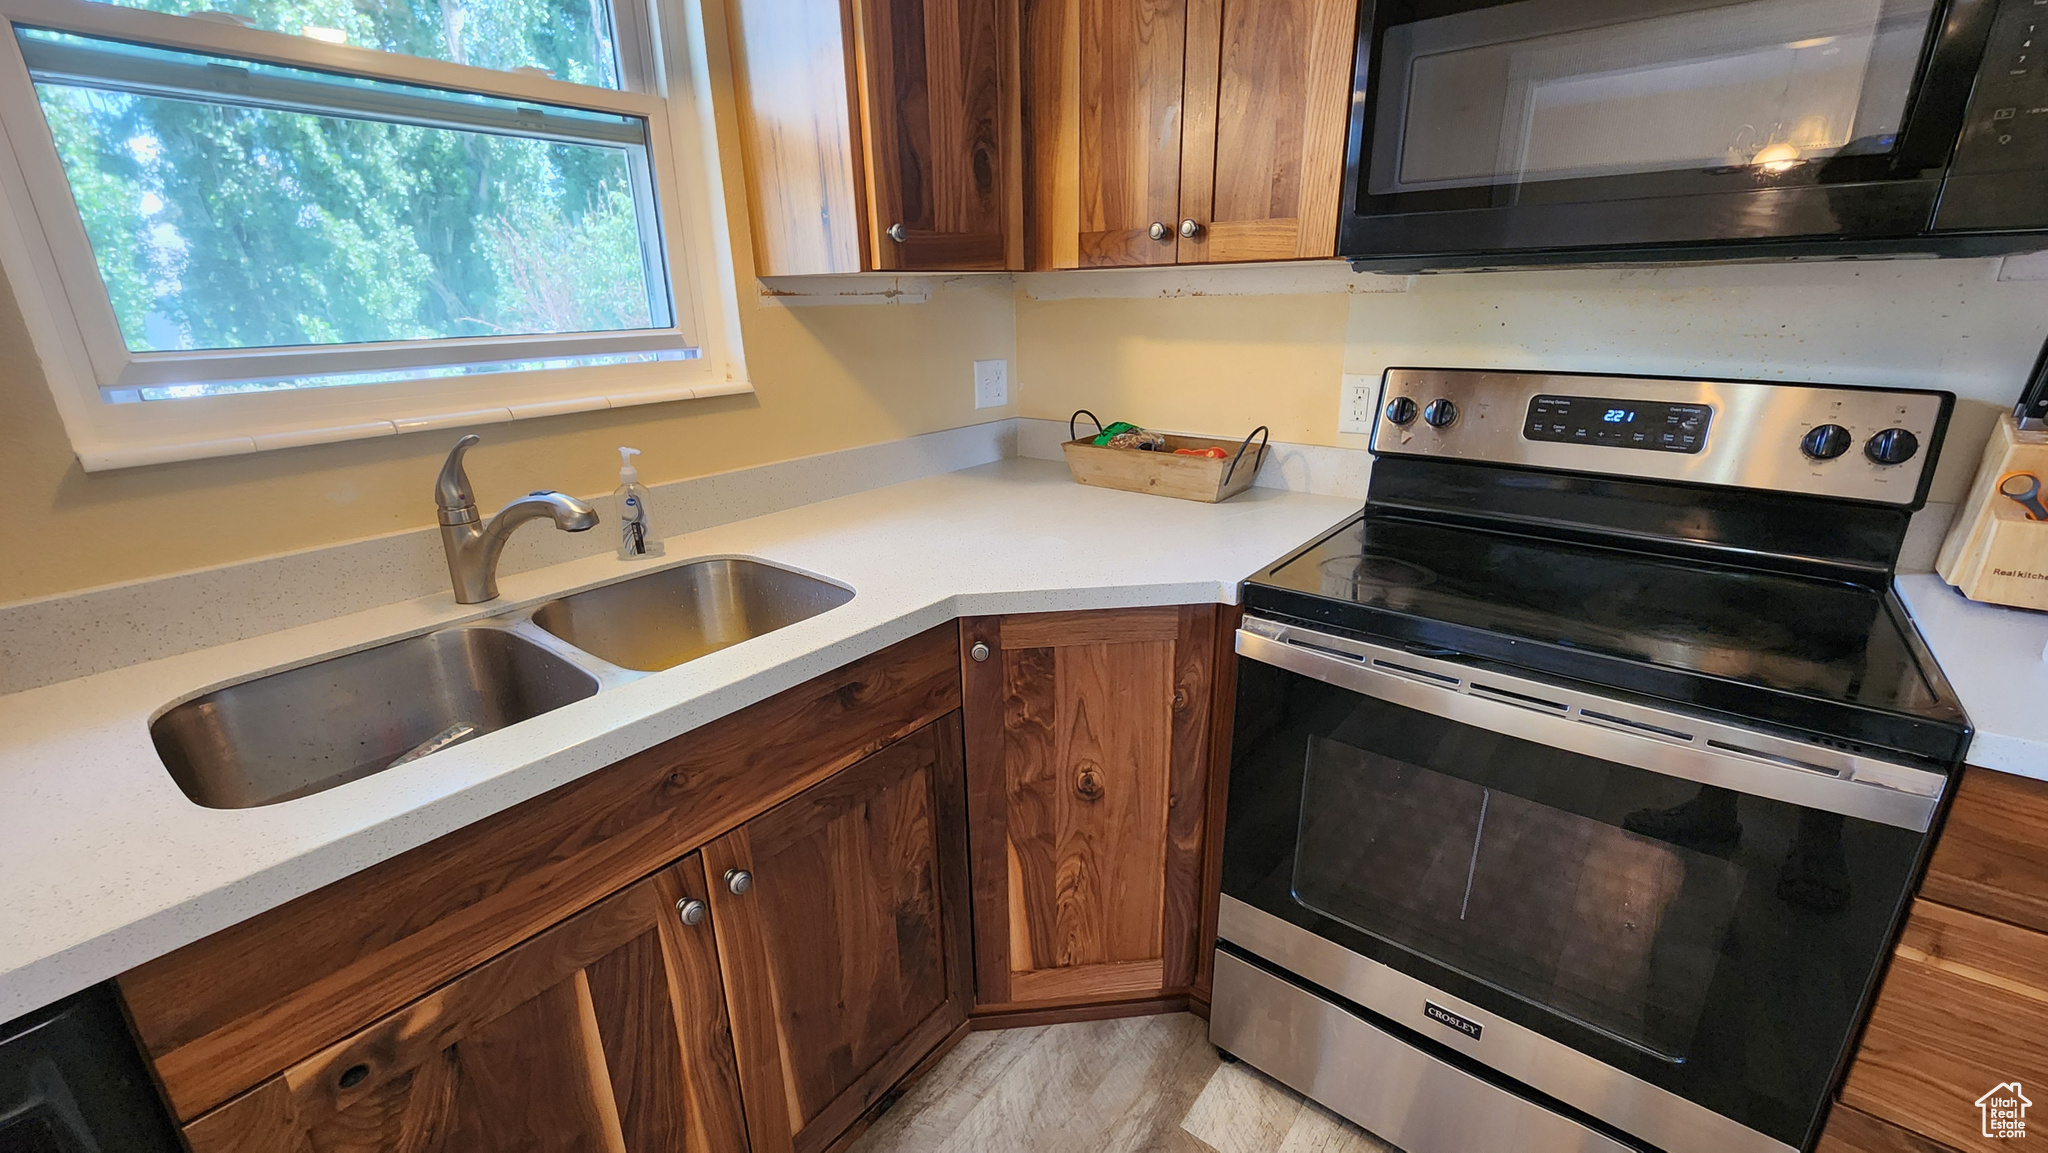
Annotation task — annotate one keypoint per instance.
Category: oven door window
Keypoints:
(1498, 104)
(1615, 930)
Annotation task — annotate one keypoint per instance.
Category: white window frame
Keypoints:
(49, 262)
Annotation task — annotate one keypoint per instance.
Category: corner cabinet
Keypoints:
(1088, 748)
(605, 1032)
(880, 135)
(1185, 131)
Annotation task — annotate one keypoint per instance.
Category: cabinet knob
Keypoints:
(1158, 230)
(980, 651)
(898, 233)
(739, 881)
(691, 911)
(1190, 229)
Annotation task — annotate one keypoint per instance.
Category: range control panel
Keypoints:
(1654, 425)
(1851, 443)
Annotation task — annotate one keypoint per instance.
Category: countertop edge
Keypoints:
(651, 711)
(1996, 659)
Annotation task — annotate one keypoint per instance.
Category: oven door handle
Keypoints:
(1672, 744)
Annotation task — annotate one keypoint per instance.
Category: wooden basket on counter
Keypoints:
(1202, 478)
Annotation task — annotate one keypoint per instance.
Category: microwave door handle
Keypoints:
(1947, 75)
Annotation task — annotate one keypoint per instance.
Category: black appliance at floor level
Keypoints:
(71, 1081)
(1579, 785)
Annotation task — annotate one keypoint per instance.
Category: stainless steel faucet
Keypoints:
(473, 546)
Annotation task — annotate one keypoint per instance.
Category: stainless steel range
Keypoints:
(1579, 785)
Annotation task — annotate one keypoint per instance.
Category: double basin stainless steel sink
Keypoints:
(301, 731)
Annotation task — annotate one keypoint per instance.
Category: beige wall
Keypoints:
(841, 376)
(825, 378)
(1222, 364)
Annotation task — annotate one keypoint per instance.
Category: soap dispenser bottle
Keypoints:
(636, 536)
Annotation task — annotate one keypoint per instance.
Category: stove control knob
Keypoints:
(1892, 446)
(1440, 413)
(1401, 411)
(1826, 442)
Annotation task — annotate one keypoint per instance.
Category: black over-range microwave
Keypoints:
(1583, 131)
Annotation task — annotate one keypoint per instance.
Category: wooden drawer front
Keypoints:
(606, 1032)
(1963, 1010)
(223, 1014)
(1854, 1131)
(1993, 854)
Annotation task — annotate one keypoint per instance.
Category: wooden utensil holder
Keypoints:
(1994, 552)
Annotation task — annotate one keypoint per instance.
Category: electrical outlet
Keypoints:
(991, 383)
(1357, 407)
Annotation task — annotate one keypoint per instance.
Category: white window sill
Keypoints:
(109, 457)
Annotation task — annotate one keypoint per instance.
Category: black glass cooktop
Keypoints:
(1827, 657)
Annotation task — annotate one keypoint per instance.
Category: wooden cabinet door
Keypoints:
(606, 1033)
(944, 169)
(1103, 101)
(1088, 742)
(846, 951)
(794, 80)
(1262, 156)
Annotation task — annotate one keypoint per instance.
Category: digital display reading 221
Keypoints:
(1652, 425)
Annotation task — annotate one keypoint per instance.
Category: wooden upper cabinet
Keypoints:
(1088, 741)
(1103, 99)
(846, 950)
(1990, 858)
(865, 120)
(606, 1033)
(1220, 121)
(1262, 156)
(939, 77)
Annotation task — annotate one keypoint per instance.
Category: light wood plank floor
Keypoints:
(1137, 1085)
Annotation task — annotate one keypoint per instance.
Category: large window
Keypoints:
(271, 222)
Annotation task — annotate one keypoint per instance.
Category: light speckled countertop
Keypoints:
(105, 864)
(1997, 661)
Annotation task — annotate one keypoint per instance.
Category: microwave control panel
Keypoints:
(1998, 177)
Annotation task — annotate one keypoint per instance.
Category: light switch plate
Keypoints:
(991, 383)
(1358, 405)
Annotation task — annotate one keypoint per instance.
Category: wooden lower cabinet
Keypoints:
(846, 951)
(607, 1032)
(1963, 1008)
(1992, 857)
(1087, 762)
(529, 982)
(1850, 1130)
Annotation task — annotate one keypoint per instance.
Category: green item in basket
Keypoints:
(1115, 428)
